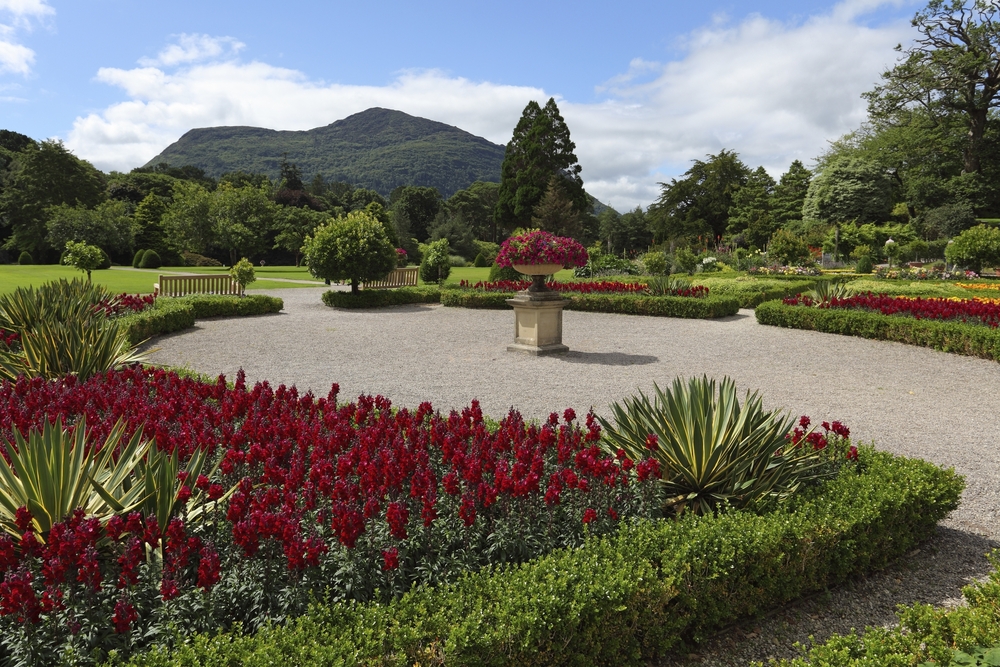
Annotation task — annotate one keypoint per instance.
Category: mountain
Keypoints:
(378, 149)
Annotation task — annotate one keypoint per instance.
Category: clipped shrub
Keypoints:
(242, 273)
(150, 260)
(137, 259)
(864, 265)
(382, 297)
(166, 316)
(498, 273)
(456, 261)
(751, 291)
(625, 304)
(194, 259)
(685, 261)
(481, 261)
(105, 260)
(655, 263)
(788, 249)
(435, 265)
(975, 248)
(24, 259)
(354, 248)
(83, 257)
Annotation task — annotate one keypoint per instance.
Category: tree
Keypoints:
(952, 68)
(699, 203)
(456, 231)
(416, 207)
(790, 193)
(44, 175)
(148, 219)
(353, 248)
(555, 211)
(849, 189)
(751, 214)
(241, 217)
(476, 204)
(83, 257)
(107, 226)
(187, 222)
(788, 249)
(435, 265)
(975, 248)
(539, 149)
(294, 225)
(628, 232)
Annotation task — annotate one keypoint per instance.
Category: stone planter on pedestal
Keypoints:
(538, 314)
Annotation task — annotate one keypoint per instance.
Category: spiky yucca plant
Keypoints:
(825, 290)
(712, 449)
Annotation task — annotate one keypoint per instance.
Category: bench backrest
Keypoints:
(181, 285)
(404, 277)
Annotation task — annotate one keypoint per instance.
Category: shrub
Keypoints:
(242, 273)
(150, 260)
(83, 257)
(752, 291)
(24, 258)
(714, 451)
(787, 248)
(222, 305)
(354, 248)
(975, 248)
(105, 260)
(137, 259)
(456, 261)
(382, 297)
(498, 273)
(607, 265)
(481, 261)
(625, 304)
(864, 265)
(176, 314)
(194, 259)
(435, 266)
(685, 261)
(655, 263)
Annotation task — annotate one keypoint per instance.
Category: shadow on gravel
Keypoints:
(933, 574)
(731, 318)
(607, 358)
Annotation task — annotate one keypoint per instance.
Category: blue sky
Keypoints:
(645, 86)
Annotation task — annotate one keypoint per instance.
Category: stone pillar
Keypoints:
(538, 323)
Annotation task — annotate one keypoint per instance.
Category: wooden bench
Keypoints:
(181, 285)
(405, 277)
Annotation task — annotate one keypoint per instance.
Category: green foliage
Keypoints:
(24, 259)
(713, 451)
(623, 600)
(968, 339)
(628, 232)
(698, 204)
(539, 150)
(242, 273)
(109, 225)
(377, 298)
(606, 265)
(975, 248)
(294, 225)
(457, 232)
(194, 259)
(380, 149)
(62, 333)
(655, 263)
(435, 266)
(54, 471)
(685, 261)
(475, 205)
(137, 259)
(241, 218)
(414, 210)
(556, 212)
(751, 214)
(353, 248)
(750, 291)
(480, 261)
(176, 314)
(787, 249)
(83, 257)
(944, 221)
(624, 304)
(925, 288)
(503, 273)
(150, 260)
(790, 193)
(849, 189)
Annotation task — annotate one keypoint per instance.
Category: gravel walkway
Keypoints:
(911, 401)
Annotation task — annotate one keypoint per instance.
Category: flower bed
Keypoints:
(784, 271)
(966, 311)
(974, 340)
(752, 291)
(920, 273)
(580, 287)
(346, 501)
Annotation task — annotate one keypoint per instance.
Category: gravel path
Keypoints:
(909, 400)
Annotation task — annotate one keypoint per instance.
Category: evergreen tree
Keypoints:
(790, 193)
(849, 189)
(555, 211)
(148, 218)
(539, 149)
(751, 214)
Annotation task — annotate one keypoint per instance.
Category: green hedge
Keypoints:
(175, 314)
(924, 634)
(626, 304)
(753, 292)
(621, 600)
(381, 297)
(968, 339)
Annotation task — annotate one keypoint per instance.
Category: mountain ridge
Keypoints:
(377, 148)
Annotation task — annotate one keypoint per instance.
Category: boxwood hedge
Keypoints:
(620, 600)
(753, 291)
(381, 297)
(623, 304)
(175, 314)
(968, 339)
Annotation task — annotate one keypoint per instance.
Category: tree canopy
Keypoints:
(353, 248)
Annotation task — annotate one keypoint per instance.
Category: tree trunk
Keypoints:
(977, 128)
(354, 286)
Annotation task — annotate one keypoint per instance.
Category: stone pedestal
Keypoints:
(538, 323)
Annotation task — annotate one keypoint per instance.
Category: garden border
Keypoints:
(707, 307)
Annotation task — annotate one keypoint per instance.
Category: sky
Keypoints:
(645, 86)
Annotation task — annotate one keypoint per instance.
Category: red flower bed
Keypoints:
(125, 303)
(596, 287)
(961, 310)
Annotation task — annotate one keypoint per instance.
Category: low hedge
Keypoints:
(620, 600)
(925, 635)
(755, 291)
(968, 339)
(175, 314)
(910, 288)
(382, 297)
(625, 304)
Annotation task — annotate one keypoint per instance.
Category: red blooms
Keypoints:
(390, 559)
(397, 515)
(968, 311)
(652, 442)
(23, 519)
(589, 514)
(124, 616)
(648, 469)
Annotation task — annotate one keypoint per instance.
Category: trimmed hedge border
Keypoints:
(175, 314)
(751, 298)
(968, 339)
(619, 600)
(382, 297)
(624, 304)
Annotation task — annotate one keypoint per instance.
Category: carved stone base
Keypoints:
(538, 323)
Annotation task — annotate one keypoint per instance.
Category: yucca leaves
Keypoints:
(62, 332)
(712, 449)
(54, 471)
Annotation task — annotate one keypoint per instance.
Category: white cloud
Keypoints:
(15, 58)
(772, 91)
(192, 48)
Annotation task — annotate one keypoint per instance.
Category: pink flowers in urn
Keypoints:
(541, 247)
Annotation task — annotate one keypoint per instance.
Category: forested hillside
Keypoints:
(379, 149)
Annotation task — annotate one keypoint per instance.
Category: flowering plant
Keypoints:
(540, 247)
(968, 311)
(401, 257)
